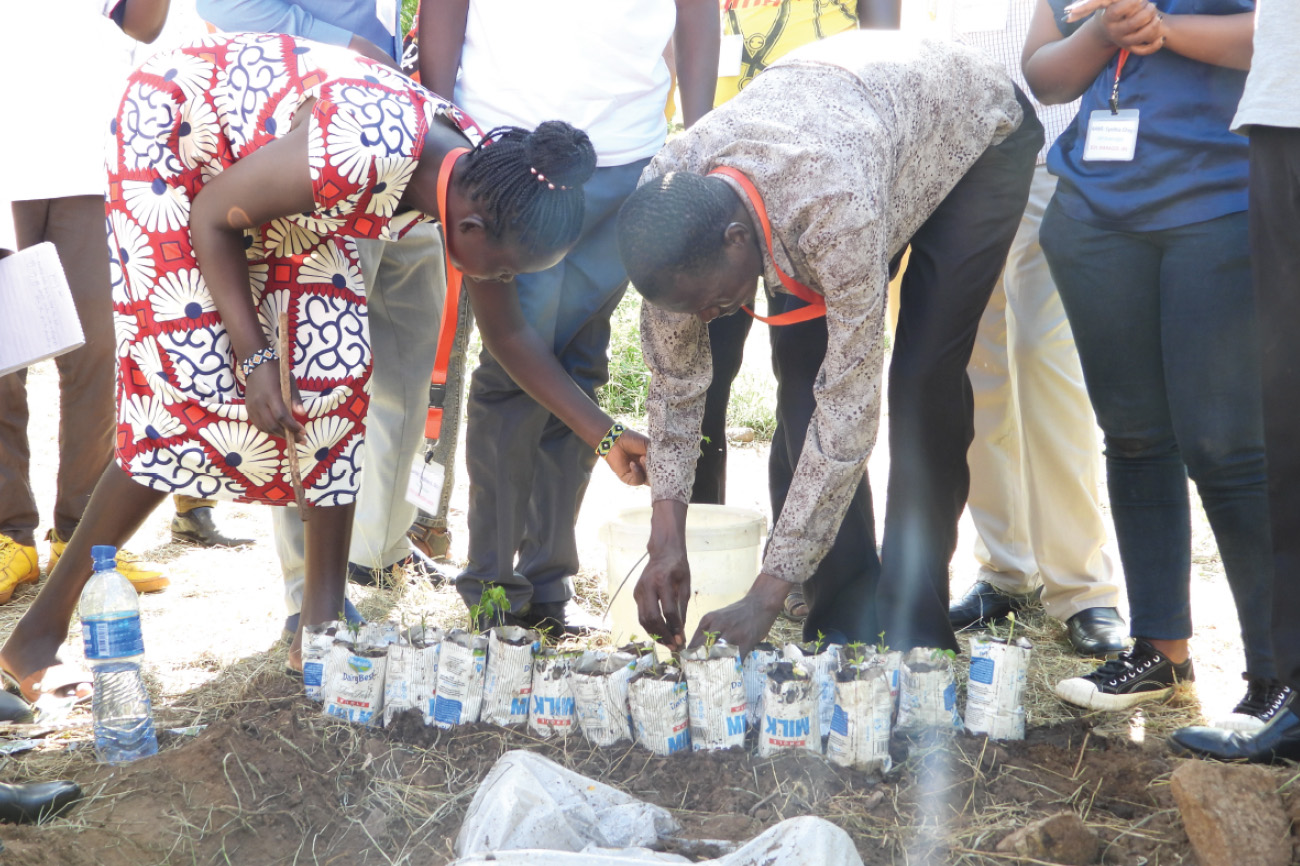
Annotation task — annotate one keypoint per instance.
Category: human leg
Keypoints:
(956, 257)
(328, 538)
(118, 507)
(727, 337)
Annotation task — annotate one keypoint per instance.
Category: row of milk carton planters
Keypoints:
(846, 701)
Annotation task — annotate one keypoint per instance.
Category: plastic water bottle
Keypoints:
(110, 627)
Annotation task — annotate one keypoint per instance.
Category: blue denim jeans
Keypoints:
(1166, 330)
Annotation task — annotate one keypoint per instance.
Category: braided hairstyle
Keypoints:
(671, 225)
(503, 173)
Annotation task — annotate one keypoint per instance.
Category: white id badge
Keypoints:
(730, 51)
(978, 16)
(424, 487)
(1111, 137)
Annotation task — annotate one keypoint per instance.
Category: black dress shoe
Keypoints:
(197, 527)
(36, 801)
(1097, 632)
(557, 618)
(984, 603)
(1280, 738)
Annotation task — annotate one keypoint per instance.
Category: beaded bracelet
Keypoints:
(257, 359)
(611, 437)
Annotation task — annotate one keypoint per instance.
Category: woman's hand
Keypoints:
(266, 409)
(1136, 25)
(627, 458)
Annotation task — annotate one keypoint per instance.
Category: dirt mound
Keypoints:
(280, 783)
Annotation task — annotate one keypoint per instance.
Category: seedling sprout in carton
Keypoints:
(658, 700)
(599, 683)
(412, 676)
(317, 641)
(999, 670)
(551, 711)
(822, 660)
(754, 672)
(716, 688)
(790, 713)
(508, 686)
(861, 725)
(927, 694)
(354, 682)
(461, 668)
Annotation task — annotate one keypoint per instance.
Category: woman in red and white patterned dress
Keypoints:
(243, 169)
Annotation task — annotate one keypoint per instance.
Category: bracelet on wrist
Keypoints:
(607, 443)
(257, 359)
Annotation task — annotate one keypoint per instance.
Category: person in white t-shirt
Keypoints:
(601, 68)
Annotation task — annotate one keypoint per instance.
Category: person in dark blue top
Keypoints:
(1146, 238)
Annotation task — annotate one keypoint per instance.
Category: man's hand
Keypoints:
(627, 458)
(746, 622)
(661, 596)
(266, 409)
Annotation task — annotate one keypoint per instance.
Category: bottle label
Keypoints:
(115, 638)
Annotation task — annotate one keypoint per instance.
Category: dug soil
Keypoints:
(276, 782)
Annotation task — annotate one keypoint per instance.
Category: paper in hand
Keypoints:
(40, 321)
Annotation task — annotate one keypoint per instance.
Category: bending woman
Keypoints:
(244, 168)
(1148, 246)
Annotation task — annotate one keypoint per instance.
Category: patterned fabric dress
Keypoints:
(185, 117)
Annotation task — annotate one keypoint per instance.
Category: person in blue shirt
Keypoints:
(1146, 238)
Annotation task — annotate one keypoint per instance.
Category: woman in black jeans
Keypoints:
(1146, 238)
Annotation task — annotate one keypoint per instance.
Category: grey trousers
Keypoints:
(528, 472)
(75, 225)
(405, 287)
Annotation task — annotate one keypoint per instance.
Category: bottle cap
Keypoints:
(104, 556)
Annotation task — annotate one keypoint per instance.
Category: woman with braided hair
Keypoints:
(245, 168)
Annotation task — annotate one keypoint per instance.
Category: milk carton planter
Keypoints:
(660, 717)
(508, 684)
(822, 662)
(860, 727)
(411, 679)
(891, 662)
(995, 693)
(927, 692)
(551, 711)
(716, 689)
(754, 672)
(462, 663)
(354, 683)
(599, 683)
(790, 711)
(317, 641)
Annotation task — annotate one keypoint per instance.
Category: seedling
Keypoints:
(937, 654)
(710, 638)
(819, 643)
(492, 602)
(856, 651)
(881, 646)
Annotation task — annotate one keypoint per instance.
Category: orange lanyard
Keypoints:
(450, 304)
(816, 303)
(1114, 91)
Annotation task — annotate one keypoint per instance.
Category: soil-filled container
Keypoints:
(822, 661)
(462, 665)
(354, 683)
(995, 692)
(317, 641)
(550, 713)
(411, 680)
(863, 719)
(790, 710)
(927, 692)
(754, 672)
(716, 687)
(508, 683)
(599, 683)
(657, 697)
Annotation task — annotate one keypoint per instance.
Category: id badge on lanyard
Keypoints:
(1112, 134)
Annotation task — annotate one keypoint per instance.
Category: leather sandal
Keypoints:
(59, 681)
(795, 608)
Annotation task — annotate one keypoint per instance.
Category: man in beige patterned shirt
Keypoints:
(857, 146)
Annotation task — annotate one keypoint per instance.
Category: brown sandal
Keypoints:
(795, 608)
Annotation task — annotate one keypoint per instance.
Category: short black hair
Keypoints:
(670, 225)
(530, 183)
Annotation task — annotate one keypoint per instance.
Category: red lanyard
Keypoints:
(450, 304)
(1119, 70)
(816, 303)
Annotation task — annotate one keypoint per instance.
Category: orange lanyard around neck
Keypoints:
(451, 303)
(816, 303)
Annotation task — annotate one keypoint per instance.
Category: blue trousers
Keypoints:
(528, 472)
(1167, 335)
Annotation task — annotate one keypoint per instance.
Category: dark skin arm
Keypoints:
(143, 20)
(269, 183)
(442, 36)
(695, 46)
(532, 365)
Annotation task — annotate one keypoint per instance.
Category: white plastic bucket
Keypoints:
(722, 547)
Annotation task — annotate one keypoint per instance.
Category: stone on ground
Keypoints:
(1233, 814)
(1060, 838)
